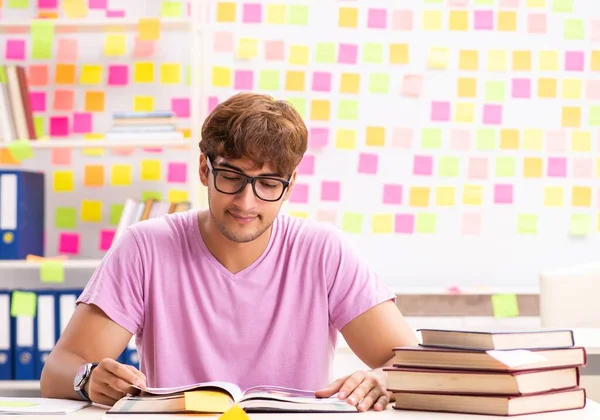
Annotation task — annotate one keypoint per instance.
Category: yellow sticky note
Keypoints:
(468, 60)
(527, 223)
(148, 29)
(432, 20)
(375, 136)
(345, 139)
(419, 196)
(89, 151)
(505, 305)
(247, 48)
(509, 139)
(170, 73)
(276, 13)
(507, 21)
(221, 77)
(581, 141)
(320, 110)
(94, 101)
(350, 83)
(352, 222)
(548, 60)
(521, 60)
(52, 271)
(90, 75)
(426, 223)
(532, 167)
(20, 150)
(226, 12)
(294, 81)
(120, 175)
(348, 17)
(472, 195)
(444, 196)
(496, 60)
(553, 197)
(595, 60)
(298, 55)
(533, 140)
(382, 223)
(63, 181)
(74, 9)
(177, 196)
(467, 87)
(459, 20)
(580, 225)
(582, 197)
(115, 45)
(536, 4)
(143, 103)
(23, 303)
(437, 58)
(399, 53)
(15, 404)
(547, 88)
(572, 88)
(299, 214)
(91, 210)
(571, 116)
(143, 72)
(464, 112)
(234, 413)
(150, 170)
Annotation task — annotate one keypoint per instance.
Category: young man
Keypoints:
(234, 293)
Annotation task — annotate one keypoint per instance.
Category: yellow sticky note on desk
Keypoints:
(114, 45)
(148, 29)
(505, 305)
(52, 271)
(207, 401)
(234, 413)
(247, 48)
(23, 304)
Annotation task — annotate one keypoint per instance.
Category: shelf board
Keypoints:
(22, 264)
(166, 141)
(63, 25)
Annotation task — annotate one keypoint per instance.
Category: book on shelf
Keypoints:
(16, 118)
(143, 124)
(218, 397)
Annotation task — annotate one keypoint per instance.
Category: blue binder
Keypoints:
(66, 304)
(21, 214)
(6, 356)
(24, 342)
(47, 328)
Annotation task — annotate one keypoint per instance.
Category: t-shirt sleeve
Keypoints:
(353, 286)
(116, 286)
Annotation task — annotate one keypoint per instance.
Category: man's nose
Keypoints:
(246, 198)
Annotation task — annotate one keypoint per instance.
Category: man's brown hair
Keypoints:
(256, 127)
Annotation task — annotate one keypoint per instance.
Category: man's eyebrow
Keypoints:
(235, 168)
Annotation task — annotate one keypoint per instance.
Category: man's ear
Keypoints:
(289, 189)
(203, 170)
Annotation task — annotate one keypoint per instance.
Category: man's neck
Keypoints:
(234, 256)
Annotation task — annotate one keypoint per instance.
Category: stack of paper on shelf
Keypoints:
(143, 125)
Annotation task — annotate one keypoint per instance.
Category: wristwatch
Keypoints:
(83, 375)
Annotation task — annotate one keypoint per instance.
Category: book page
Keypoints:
(228, 387)
(286, 394)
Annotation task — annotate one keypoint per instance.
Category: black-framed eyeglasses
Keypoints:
(266, 188)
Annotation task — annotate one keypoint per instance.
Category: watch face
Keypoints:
(80, 376)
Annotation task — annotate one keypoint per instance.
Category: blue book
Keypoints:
(21, 214)
(47, 316)
(24, 344)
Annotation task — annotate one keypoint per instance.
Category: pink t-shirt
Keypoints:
(273, 323)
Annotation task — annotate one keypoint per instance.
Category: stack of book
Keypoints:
(16, 119)
(143, 124)
(492, 373)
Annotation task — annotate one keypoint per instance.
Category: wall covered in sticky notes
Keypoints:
(454, 142)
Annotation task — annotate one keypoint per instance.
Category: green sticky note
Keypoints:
(580, 225)
(486, 139)
(18, 4)
(39, 124)
(562, 6)
(23, 303)
(484, 2)
(528, 224)
(373, 53)
(298, 14)
(325, 53)
(299, 105)
(3, 74)
(425, 223)
(17, 404)
(449, 166)
(431, 138)
(42, 38)
(505, 166)
(352, 222)
(505, 305)
(115, 213)
(20, 149)
(188, 75)
(379, 83)
(494, 91)
(594, 116)
(65, 217)
(171, 9)
(434, 1)
(52, 271)
(348, 109)
(268, 80)
(147, 195)
(574, 29)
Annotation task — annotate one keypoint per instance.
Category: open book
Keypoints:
(218, 397)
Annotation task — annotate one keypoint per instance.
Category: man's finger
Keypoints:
(369, 399)
(120, 385)
(138, 373)
(330, 389)
(124, 373)
(350, 385)
(381, 403)
(360, 391)
(100, 398)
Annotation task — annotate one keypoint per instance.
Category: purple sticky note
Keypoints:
(243, 80)
(503, 194)
(115, 13)
(347, 53)
(68, 243)
(299, 193)
(521, 88)
(181, 107)
(583, 168)
(47, 4)
(97, 4)
(307, 165)
(402, 20)
(423, 165)
(38, 101)
(574, 60)
(367, 163)
(82, 122)
(213, 101)
(252, 13)
(557, 167)
(321, 81)
(555, 141)
(440, 111)
(404, 223)
(478, 168)
(118, 75)
(392, 194)
(106, 239)
(402, 137)
(59, 126)
(330, 191)
(460, 139)
(318, 137)
(176, 172)
(492, 114)
(377, 18)
(536, 23)
(15, 49)
(484, 20)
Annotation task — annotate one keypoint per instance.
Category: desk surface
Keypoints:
(590, 412)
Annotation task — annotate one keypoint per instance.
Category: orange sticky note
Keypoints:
(65, 74)
(419, 197)
(94, 101)
(93, 175)
(148, 29)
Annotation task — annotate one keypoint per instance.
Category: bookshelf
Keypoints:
(65, 25)
(163, 141)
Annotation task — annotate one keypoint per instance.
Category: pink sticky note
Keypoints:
(330, 191)
(118, 75)
(61, 156)
(412, 85)
(321, 81)
(367, 163)
(423, 165)
(181, 107)
(299, 193)
(143, 48)
(484, 20)
(223, 42)
(392, 194)
(37, 75)
(68, 243)
(106, 239)
(509, 4)
(402, 20)
(274, 50)
(598, 199)
(440, 111)
(583, 168)
(97, 4)
(458, 3)
(402, 137)
(478, 168)
(536, 23)
(63, 100)
(243, 80)
(377, 18)
(252, 13)
(327, 216)
(59, 126)
(318, 137)
(521, 88)
(404, 223)
(82, 122)
(176, 172)
(67, 50)
(574, 60)
(555, 141)
(492, 114)
(47, 4)
(307, 165)
(115, 13)
(471, 224)
(38, 101)
(347, 53)
(503, 194)
(460, 139)
(212, 103)
(595, 30)
(15, 49)
(593, 89)
(557, 167)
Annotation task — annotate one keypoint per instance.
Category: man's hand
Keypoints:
(110, 381)
(364, 389)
